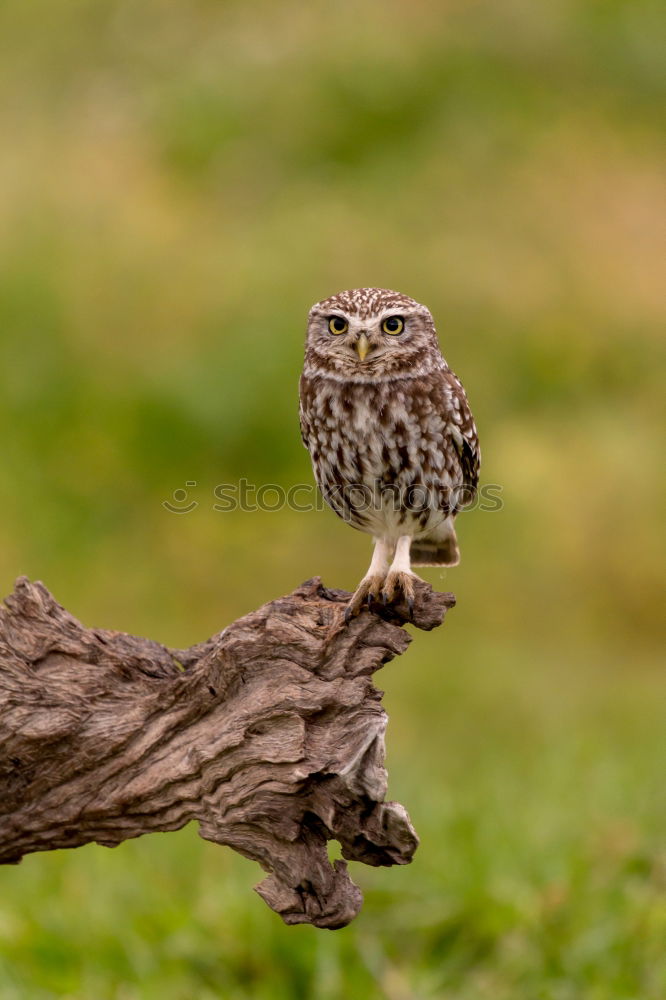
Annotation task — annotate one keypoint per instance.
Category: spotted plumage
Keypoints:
(393, 443)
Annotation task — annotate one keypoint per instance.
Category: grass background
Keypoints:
(178, 183)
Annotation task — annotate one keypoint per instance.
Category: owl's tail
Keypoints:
(439, 549)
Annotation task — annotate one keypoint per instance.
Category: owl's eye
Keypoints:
(338, 325)
(393, 325)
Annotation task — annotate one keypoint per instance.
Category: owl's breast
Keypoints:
(372, 446)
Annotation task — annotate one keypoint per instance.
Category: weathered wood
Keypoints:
(270, 735)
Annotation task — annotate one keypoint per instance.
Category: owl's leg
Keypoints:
(371, 584)
(400, 576)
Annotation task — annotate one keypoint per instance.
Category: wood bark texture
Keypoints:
(270, 735)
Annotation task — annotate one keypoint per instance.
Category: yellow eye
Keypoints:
(338, 325)
(393, 325)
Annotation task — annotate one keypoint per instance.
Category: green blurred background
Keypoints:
(178, 183)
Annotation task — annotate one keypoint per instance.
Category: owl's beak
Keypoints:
(362, 346)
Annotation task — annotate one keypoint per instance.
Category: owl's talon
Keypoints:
(399, 583)
(363, 597)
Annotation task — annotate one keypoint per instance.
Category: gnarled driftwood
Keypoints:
(270, 735)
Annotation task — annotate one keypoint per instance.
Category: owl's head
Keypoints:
(368, 333)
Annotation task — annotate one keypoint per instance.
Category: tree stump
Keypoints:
(269, 734)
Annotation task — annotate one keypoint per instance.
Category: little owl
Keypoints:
(393, 443)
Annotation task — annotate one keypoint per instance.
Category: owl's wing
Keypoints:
(461, 432)
(303, 411)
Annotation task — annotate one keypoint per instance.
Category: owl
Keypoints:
(392, 439)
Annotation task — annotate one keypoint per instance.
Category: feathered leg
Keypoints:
(400, 576)
(370, 586)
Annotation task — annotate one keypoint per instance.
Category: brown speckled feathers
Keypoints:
(393, 443)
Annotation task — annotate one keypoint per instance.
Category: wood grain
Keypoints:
(270, 735)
